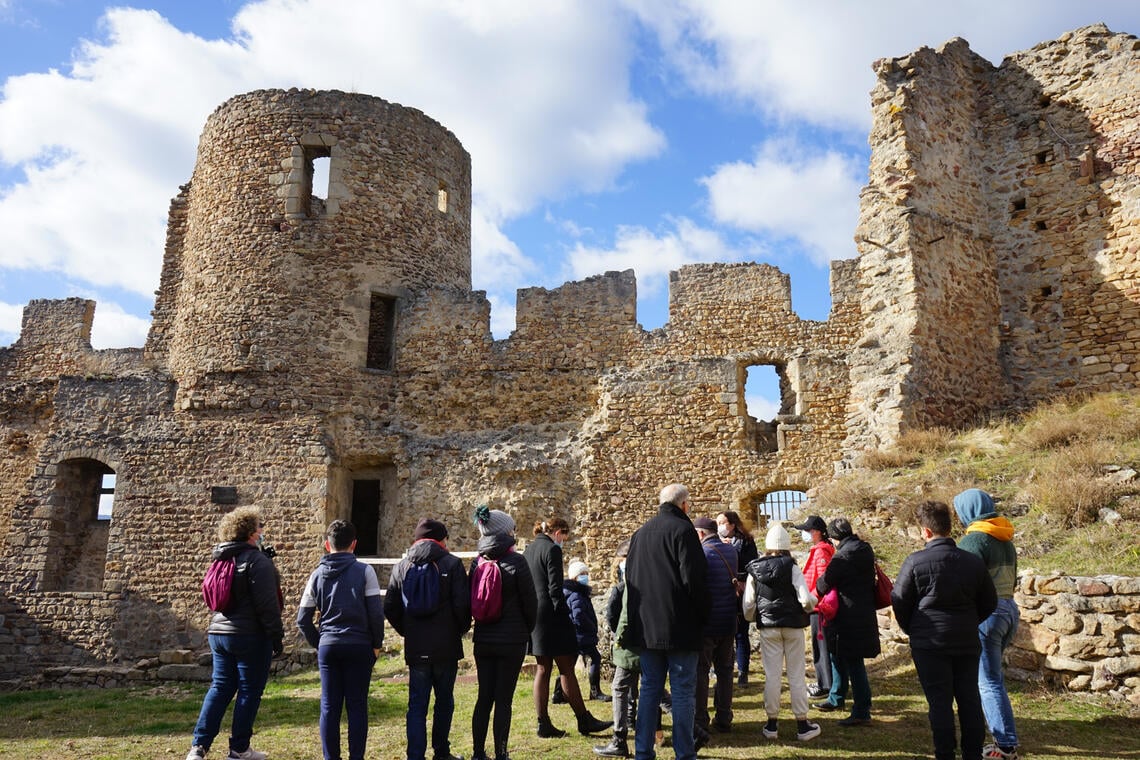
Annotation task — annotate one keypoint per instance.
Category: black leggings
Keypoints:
(498, 669)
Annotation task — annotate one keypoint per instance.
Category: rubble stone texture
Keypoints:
(322, 354)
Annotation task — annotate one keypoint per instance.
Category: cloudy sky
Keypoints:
(604, 135)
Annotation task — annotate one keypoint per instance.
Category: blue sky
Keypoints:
(604, 135)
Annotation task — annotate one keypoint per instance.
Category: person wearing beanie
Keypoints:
(776, 596)
(941, 595)
(553, 642)
(719, 645)
(732, 529)
(813, 530)
(500, 644)
(432, 637)
(577, 589)
(990, 537)
(853, 635)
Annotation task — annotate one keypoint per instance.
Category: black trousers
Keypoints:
(948, 679)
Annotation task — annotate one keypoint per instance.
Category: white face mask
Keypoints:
(806, 536)
(584, 579)
(724, 531)
(621, 565)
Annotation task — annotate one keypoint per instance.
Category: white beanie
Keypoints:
(577, 567)
(777, 539)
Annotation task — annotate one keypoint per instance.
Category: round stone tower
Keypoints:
(281, 276)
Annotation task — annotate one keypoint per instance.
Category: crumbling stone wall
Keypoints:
(325, 357)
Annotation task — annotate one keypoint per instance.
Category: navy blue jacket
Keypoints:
(582, 612)
(720, 557)
(346, 593)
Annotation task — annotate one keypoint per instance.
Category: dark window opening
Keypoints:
(381, 332)
(1044, 101)
(1043, 157)
(1046, 291)
(315, 191)
(1041, 226)
(1018, 204)
(365, 517)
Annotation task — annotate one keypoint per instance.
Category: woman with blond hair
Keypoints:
(243, 637)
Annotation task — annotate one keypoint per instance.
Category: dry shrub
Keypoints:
(1070, 484)
(888, 459)
(980, 442)
(912, 447)
(1109, 416)
(857, 491)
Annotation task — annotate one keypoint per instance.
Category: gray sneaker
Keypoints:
(249, 754)
(197, 752)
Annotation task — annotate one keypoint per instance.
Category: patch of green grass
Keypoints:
(138, 723)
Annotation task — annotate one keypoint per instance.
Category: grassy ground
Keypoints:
(133, 724)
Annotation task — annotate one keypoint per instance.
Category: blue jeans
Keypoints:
(422, 681)
(241, 667)
(346, 673)
(996, 632)
(851, 670)
(681, 667)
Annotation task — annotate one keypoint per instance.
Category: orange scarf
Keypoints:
(998, 527)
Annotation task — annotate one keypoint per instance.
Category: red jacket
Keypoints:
(817, 560)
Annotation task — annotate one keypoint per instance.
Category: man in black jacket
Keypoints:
(432, 641)
(667, 606)
(941, 596)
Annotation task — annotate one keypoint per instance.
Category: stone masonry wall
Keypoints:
(255, 385)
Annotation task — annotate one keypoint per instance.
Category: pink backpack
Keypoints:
(217, 586)
(486, 591)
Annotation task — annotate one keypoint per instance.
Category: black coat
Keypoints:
(255, 608)
(435, 638)
(520, 606)
(553, 634)
(941, 595)
(855, 630)
(666, 584)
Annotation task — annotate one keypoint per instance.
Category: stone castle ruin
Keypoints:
(327, 357)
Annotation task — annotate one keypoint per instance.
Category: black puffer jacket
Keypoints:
(433, 638)
(520, 605)
(777, 605)
(855, 630)
(254, 608)
(941, 595)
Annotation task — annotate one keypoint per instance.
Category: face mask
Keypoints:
(724, 531)
(621, 566)
(584, 579)
(806, 536)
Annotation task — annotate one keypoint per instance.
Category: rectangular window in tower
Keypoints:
(441, 198)
(381, 332)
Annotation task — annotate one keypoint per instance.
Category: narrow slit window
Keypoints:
(106, 497)
(441, 199)
(381, 332)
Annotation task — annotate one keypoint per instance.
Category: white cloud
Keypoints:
(812, 60)
(115, 328)
(792, 191)
(763, 409)
(653, 255)
(11, 316)
(538, 93)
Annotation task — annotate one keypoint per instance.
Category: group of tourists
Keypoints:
(683, 593)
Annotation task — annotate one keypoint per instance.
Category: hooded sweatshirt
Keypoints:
(989, 537)
(346, 593)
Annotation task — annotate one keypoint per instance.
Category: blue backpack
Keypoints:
(420, 590)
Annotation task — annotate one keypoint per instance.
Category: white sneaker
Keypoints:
(249, 754)
(197, 752)
(813, 730)
(770, 733)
